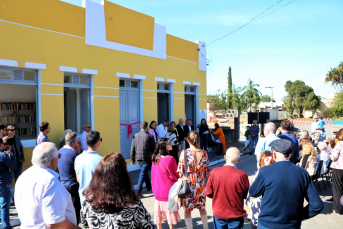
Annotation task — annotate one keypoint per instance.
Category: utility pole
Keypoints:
(272, 96)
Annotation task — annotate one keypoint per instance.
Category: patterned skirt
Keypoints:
(163, 214)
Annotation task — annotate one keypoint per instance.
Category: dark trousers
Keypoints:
(203, 141)
(228, 223)
(75, 198)
(175, 153)
(218, 146)
(16, 173)
(143, 177)
(337, 189)
(252, 226)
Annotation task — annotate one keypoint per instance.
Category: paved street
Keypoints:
(248, 164)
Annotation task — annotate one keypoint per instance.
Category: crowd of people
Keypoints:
(97, 191)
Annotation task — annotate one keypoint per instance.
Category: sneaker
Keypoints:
(329, 200)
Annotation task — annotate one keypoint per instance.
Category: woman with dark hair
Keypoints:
(163, 176)
(152, 130)
(221, 137)
(337, 173)
(111, 201)
(171, 136)
(197, 170)
(203, 131)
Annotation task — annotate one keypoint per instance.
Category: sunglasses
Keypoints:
(88, 127)
(101, 139)
(12, 129)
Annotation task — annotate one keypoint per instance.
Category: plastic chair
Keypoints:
(327, 173)
(316, 174)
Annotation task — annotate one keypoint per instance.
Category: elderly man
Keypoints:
(86, 129)
(317, 138)
(228, 209)
(7, 163)
(283, 133)
(44, 128)
(63, 141)
(66, 168)
(263, 144)
(284, 187)
(162, 129)
(41, 199)
(254, 131)
(181, 131)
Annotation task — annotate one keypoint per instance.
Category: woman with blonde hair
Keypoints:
(197, 170)
(312, 159)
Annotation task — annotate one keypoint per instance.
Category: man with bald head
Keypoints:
(263, 144)
(228, 192)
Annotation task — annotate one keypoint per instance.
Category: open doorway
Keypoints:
(190, 103)
(163, 102)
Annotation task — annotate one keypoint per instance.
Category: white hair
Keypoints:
(254, 121)
(318, 134)
(85, 124)
(322, 146)
(270, 126)
(67, 131)
(44, 153)
(232, 155)
(70, 138)
(181, 119)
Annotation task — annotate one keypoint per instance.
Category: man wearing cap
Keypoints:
(283, 187)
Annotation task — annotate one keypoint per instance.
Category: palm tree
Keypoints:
(335, 76)
(251, 94)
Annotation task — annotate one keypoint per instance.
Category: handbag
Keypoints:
(184, 189)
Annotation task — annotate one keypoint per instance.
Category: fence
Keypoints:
(307, 121)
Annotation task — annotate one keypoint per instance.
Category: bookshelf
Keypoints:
(22, 116)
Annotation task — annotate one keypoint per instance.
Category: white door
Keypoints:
(129, 114)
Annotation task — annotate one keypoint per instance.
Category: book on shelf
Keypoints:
(18, 119)
(17, 106)
(26, 131)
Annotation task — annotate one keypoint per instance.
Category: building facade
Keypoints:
(101, 63)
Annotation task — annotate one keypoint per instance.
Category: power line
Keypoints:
(253, 19)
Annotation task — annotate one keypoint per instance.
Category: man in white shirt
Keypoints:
(263, 143)
(86, 129)
(41, 199)
(162, 129)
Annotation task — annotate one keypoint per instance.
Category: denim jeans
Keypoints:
(228, 223)
(143, 177)
(253, 143)
(5, 203)
(203, 141)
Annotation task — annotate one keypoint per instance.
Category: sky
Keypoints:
(302, 40)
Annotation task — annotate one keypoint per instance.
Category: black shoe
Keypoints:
(329, 200)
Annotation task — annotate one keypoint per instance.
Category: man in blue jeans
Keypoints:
(254, 131)
(142, 148)
(7, 163)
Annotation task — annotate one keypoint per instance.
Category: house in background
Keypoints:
(103, 64)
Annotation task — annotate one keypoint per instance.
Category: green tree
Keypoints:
(266, 98)
(336, 109)
(238, 101)
(299, 97)
(219, 100)
(251, 94)
(335, 76)
(229, 89)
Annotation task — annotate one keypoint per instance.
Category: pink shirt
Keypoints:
(160, 181)
(337, 156)
(152, 132)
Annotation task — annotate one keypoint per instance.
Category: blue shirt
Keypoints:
(83, 141)
(288, 136)
(254, 130)
(263, 143)
(85, 165)
(6, 163)
(283, 187)
(42, 138)
(66, 167)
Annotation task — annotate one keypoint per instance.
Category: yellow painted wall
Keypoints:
(53, 49)
(124, 26)
(53, 15)
(182, 49)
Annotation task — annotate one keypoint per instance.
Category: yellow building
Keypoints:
(100, 63)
